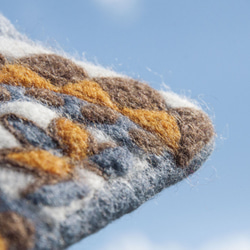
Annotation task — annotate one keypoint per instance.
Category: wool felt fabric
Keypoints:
(81, 145)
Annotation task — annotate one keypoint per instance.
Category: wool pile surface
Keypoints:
(81, 145)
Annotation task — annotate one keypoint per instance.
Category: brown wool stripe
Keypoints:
(132, 94)
(4, 94)
(147, 141)
(16, 230)
(196, 131)
(2, 60)
(58, 70)
(95, 148)
(45, 96)
(99, 114)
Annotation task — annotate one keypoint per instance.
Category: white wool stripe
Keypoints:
(7, 140)
(100, 136)
(38, 113)
(176, 101)
(97, 71)
(11, 48)
(14, 44)
(12, 183)
(8, 30)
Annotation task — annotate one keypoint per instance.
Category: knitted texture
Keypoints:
(81, 145)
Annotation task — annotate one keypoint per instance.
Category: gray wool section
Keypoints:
(113, 161)
(17, 93)
(72, 108)
(46, 230)
(33, 134)
(123, 195)
(119, 196)
(133, 177)
(60, 194)
(118, 134)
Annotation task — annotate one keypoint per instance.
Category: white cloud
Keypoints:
(138, 242)
(119, 8)
(238, 242)
(141, 242)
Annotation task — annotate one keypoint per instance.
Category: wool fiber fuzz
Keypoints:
(81, 145)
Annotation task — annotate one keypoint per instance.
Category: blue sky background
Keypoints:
(200, 48)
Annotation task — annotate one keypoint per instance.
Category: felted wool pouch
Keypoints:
(81, 145)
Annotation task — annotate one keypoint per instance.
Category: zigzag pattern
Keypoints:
(78, 151)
